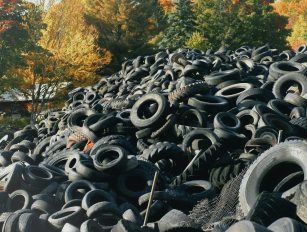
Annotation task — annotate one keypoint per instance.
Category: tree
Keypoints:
(296, 11)
(41, 75)
(167, 5)
(236, 22)
(69, 38)
(180, 25)
(13, 35)
(124, 26)
(40, 80)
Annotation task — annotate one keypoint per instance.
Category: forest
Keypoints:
(78, 41)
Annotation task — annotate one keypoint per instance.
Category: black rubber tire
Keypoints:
(110, 159)
(28, 222)
(208, 103)
(95, 196)
(136, 182)
(227, 121)
(281, 107)
(72, 215)
(298, 112)
(270, 207)
(70, 228)
(296, 100)
(16, 203)
(277, 122)
(138, 115)
(287, 225)
(43, 207)
(91, 226)
(103, 207)
(301, 196)
(38, 176)
(232, 92)
(74, 186)
(193, 117)
(247, 226)
(257, 94)
(281, 68)
(207, 136)
(257, 177)
(221, 76)
(72, 203)
(14, 177)
(284, 82)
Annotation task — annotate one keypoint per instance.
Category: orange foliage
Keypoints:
(296, 11)
(167, 5)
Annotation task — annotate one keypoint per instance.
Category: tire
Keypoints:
(281, 68)
(247, 226)
(248, 117)
(72, 215)
(227, 121)
(296, 100)
(221, 76)
(270, 207)
(193, 117)
(74, 186)
(298, 112)
(103, 207)
(257, 177)
(286, 81)
(43, 207)
(96, 196)
(276, 122)
(168, 151)
(72, 203)
(11, 223)
(90, 225)
(20, 199)
(301, 124)
(124, 225)
(139, 115)
(14, 178)
(206, 136)
(28, 222)
(232, 92)
(301, 196)
(21, 156)
(38, 176)
(137, 181)
(210, 104)
(110, 159)
(287, 225)
(258, 94)
(70, 228)
(281, 107)
(187, 91)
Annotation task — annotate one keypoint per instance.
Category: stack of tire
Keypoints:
(198, 118)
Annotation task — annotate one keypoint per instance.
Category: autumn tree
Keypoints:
(167, 5)
(180, 25)
(296, 11)
(124, 26)
(236, 22)
(69, 38)
(13, 36)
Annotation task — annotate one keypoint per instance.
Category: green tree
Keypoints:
(240, 22)
(180, 25)
(13, 35)
(124, 26)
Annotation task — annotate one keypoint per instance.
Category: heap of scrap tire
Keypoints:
(198, 119)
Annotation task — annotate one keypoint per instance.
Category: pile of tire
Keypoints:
(198, 118)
